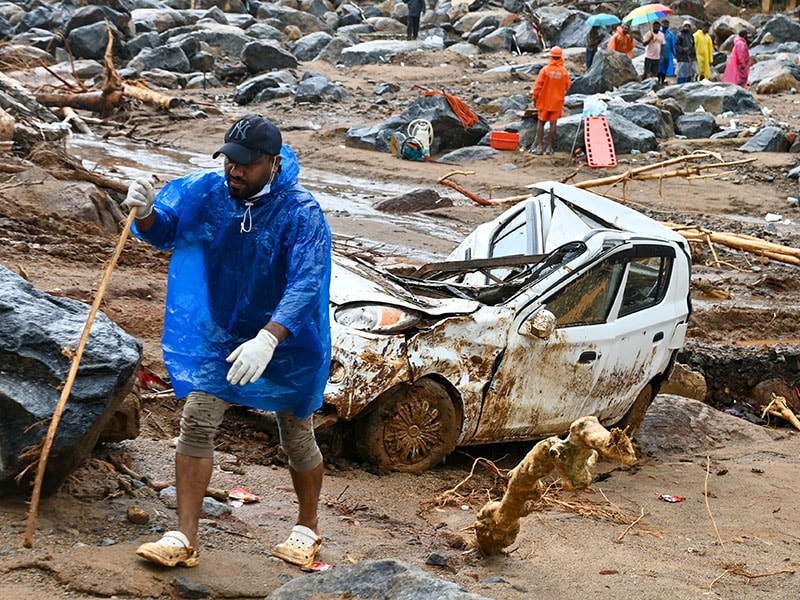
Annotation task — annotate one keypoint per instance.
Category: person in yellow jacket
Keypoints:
(704, 48)
(549, 91)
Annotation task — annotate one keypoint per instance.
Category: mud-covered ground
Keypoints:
(735, 535)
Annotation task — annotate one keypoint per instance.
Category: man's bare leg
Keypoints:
(192, 475)
(308, 487)
(552, 138)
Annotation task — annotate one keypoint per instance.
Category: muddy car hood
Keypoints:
(355, 282)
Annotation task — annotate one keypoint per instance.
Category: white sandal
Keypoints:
(301, 547)
(173, 549)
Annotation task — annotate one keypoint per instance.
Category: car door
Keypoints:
(595, 361)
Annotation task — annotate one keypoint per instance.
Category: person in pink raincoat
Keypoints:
(738, 68)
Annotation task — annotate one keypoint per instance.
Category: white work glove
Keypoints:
(140, 196)
(251, 358)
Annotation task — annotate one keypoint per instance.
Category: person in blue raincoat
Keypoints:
(666, 67)
(246, 317)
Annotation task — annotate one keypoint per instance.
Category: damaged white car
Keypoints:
(566, 305)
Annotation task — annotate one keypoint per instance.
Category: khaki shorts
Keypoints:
(203, 413)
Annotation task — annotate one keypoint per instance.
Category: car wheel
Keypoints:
(413, 428)
(635, 415)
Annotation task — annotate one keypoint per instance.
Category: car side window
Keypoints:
(509, 241)
(646, 284)
(588, 299)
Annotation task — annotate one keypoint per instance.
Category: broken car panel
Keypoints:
(568, 304)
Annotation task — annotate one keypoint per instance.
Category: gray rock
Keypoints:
(98, 13)
(467, 154)
(413, 201)
(678, 425)
(609, 70)
(626, 135)
(170, 58)
(768, 139)
(448, 130)
(186, 588)
(310, 46)
(306, 22)
(249, 90)
(156, 19)
(696, 125)
(572, 33)
(526, 38)
(782, 29)
(317, 89)
(333, 51)
(90, 41)
(728, 134)
(647, 116)
(386, 579)
(35, 328)
(376, 52)
(715, 98)
(266, 55)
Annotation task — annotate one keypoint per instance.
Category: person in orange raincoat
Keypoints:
(622, 41)
(549, 91)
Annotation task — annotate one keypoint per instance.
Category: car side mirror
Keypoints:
(542, 325)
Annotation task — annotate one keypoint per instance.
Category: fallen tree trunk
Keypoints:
(499, 522)
(99, 101)
(148, 96)
(737, 241)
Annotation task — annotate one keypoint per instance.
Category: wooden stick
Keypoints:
(708, 505)
(51, 432)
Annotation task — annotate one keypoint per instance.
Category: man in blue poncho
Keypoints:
(246, 319)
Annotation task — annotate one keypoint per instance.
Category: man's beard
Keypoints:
(239, 193)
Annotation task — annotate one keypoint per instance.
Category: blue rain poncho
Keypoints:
(224, 285)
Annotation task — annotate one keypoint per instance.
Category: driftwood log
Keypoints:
(499, 522)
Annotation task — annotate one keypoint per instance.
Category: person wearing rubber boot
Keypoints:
(246, 318)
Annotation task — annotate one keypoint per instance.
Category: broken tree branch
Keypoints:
(778, 408)
(499, 522)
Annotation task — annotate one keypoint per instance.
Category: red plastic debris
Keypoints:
(242, 495)
(316, 566)
(671, 498)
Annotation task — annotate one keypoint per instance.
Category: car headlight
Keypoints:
(376, 318)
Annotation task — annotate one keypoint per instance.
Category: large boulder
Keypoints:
(448, 131)
(609, 70)
(626, 136)
(781, 28)
(715, 98)
(38, 333)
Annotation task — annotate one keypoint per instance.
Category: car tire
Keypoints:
(635, 415)
(414, 427)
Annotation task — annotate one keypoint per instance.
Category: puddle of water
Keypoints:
(338, 195)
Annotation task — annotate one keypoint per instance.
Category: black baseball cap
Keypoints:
(250, 137)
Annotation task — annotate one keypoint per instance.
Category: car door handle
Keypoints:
(658, 337)
(587, 356)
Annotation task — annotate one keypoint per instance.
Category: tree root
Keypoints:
(499, 522)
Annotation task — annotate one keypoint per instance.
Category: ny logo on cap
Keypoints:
(239, 130)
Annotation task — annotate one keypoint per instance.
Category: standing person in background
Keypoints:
(666, 67)
(622, 41)
(549, 91)
(704, 48)
(247, 318)
(738, 68)
(653, 47)
(685, 53)
(593, 39)
(416, 8)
